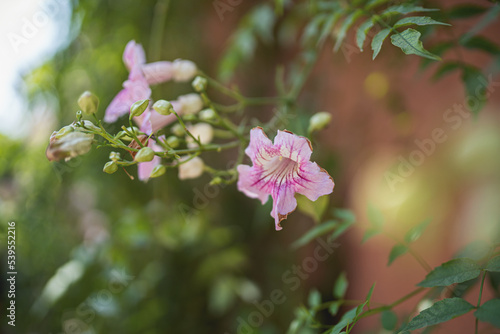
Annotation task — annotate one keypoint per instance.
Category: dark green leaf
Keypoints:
(487, 19)
(370, 233)
(441, 311)
(344, 27)
(341, 285)
(460, 289)
(494, 264)
(389, 320)
(405, 9)
(362, 31)
(481, 43)
(454, 271)
(369, 296)
(342, 227)
(465, 11)
(346, 319)
(446, 68)
(489, 312)
(374, 3)
(314, 298)
(409, 42)
(396, 252)
(474, 80)
(417, 20)
(378, 40)
(315, 232)
(494, 278)
(416, 232)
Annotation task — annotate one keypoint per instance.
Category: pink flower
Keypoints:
(281, 170)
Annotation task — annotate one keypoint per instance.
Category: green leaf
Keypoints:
(378, 40)
(375, 217)
(476, 250)
(418, 20)
(465, 11)
(396, 252)
(487, 19)
(312, 29)
(374, 3)
(474, 80)
(446, 68)
(416, 232)
(441, 311)
(315, 232)
(314, 298)
(405, 9)
(315, 209)
(369, 296)
(454, 271)
(344, 215)
(489, 312)
(371, 232)
(344, 27)
(389, 320)
(341, 285)
(341, 228)
(494, 264)
(334, 307)
(481, 43)
(362, 31)
(263, 19)
(328, 27)
(346, 319)
(409, 42)
(437, 49)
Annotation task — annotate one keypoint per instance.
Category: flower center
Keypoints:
(280, 168)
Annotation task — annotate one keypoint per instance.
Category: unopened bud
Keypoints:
(190, 103)
(173, 141)
(207, 114)
(88, 102)
(158, 171)
(190, 118)
(145, 154)
(110, 167)
(138, 108)
(203, 132)
(79, 115)
(319, 121)
(183, 70)
(86, 124)
(216, 180)
(199, 84)
(191, 169)
(64, 131)
(114, 156)
(178, 130)
(163, 107)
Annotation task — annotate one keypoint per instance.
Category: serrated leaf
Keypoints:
(389, 320)
(416, 232)
(396, 252)
(315, 232)
(441, 311)
(340, 286)
(446, 68)
(314, 298)
(371, 232)
(328, 27)
(375, 217)
(405, 9)
(362, 31)
(474, 80)
(481, 43)
(489, 312)
(344, 27)
(418, 20)
(315, 209)
(378, 40)
(454, 271)
(465, 11)
(409, 42)
(493, 264)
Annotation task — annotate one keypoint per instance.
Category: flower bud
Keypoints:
(114, 156)
(173, 141)
(163, 107)
(63, 132)
(183, 70)
(191, 169)
(88, 102)
(203, 132)
(138, 108)
(190, 103)
(122, 135)
(68, 146)
(145, 154)
(190, 118)
(79, 115)
(110, 167)
(319, 121)
(87, 125)
(207, 114)
(159, 170)
(199, 84)
(216, 180)
(178, 130)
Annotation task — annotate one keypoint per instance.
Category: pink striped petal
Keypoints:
(157, 72)
(133, 55)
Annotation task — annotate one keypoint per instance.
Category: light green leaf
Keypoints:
(405, 9)
(328, 27)
(344, 27)
(375, 217)
(263, 19)
(341, 285)
(389, 320)
(481, 43)
(315, 232)
(314, 298)
(362, 31)
(378, 40)
(441, 311)
(465, 11)
(334, 307)
(396, 252)
(371, 232)
(489, 312)
(416, 232)
(312, 29)
(418, 20)
(454, 271)
(474, 80)
(494, 264)
(409, 42)
(346, 319)
(344, 215)
(315, 209)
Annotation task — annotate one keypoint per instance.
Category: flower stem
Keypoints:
(390, 306)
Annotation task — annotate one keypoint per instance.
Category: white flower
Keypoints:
(202, 131)
(190, 169)
(183, 70)
(190, 104)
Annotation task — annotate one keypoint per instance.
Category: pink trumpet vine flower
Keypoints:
(281, 170)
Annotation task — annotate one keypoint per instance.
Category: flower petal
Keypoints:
(133, 55)
(284, 202)
(293, 147)
(248, 183)
(260, 150)
(157, 72)
(313, 181)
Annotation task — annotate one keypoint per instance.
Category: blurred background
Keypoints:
(100, 253)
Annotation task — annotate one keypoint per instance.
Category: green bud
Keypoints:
(88, 102)
(163, 107)
(189, 118)
(216, 180)
(158, 171)
(207, 114)
(79, 115)
(173, 141)
(319, 121)
(122, 135)
(145, 154)
(64, 131)
(178, 130)
(110, 167)
(114, 156)
(138, 108)
(199, 84)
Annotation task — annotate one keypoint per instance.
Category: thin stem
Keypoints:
(197, 141)
(157, 28)
(390, 306)
(206, 148)
(479, 299)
